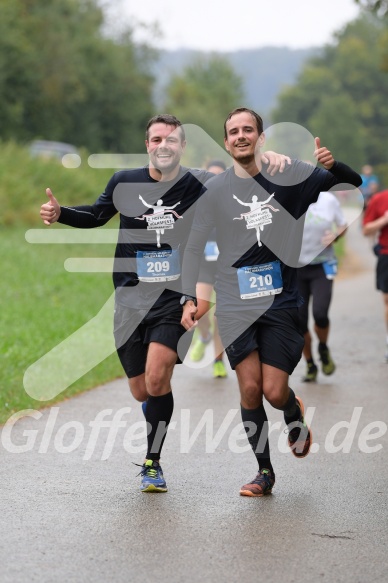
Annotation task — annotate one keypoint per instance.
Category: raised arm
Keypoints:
(87, 216)
(50, 211)
(323, 155)
(339, 173)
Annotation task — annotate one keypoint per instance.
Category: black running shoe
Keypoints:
(300, 437)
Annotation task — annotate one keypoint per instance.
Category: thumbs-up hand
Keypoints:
(323, 155)
(50, 211)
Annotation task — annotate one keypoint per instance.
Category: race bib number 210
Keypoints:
(260, 280)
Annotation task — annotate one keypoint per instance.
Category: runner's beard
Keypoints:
(245, 158)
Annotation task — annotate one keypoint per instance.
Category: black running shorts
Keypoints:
(135, 329)
(275, 335)
(382, 273)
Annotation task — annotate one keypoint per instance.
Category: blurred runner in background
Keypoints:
(205, 291)
(370, 183)
(324, 224)
(376, 224)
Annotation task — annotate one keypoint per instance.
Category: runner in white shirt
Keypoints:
(325, 223)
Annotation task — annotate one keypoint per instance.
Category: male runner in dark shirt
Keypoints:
(259, 226)
(156, 206)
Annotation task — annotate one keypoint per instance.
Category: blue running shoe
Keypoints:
(152, 477)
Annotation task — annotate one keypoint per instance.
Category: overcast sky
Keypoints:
(227, 25)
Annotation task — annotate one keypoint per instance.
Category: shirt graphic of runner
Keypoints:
(158, 221)
(258, 216)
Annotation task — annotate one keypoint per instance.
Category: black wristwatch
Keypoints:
(185, 299)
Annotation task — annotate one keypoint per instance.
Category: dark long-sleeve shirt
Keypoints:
(259, 224)
(155, 222)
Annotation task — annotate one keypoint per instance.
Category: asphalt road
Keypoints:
(72, 511)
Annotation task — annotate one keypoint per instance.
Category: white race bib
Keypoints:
(260, 280)
(155, 266)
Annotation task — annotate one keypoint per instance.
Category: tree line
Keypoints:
(64, 77)
(341, 95)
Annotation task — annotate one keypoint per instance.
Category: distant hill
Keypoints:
(265, 71)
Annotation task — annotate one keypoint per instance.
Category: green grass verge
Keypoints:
(23, 181)
(42, 305)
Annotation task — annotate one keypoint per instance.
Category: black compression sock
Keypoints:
(291, 409)
(256, 425)
(158, 415)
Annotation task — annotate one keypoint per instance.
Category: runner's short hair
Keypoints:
(169, 120)
(256, 117)
(218, 163)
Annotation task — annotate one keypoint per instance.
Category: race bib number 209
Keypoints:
(153, 266)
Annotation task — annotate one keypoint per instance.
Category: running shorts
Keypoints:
(135, 329)
(275, 335)
(382, 273)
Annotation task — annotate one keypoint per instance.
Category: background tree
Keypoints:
(343, 134)
(203, 94)
(378, 6)
(61, 78)
(342, 94)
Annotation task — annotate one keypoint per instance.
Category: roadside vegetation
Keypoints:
(42, 303)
